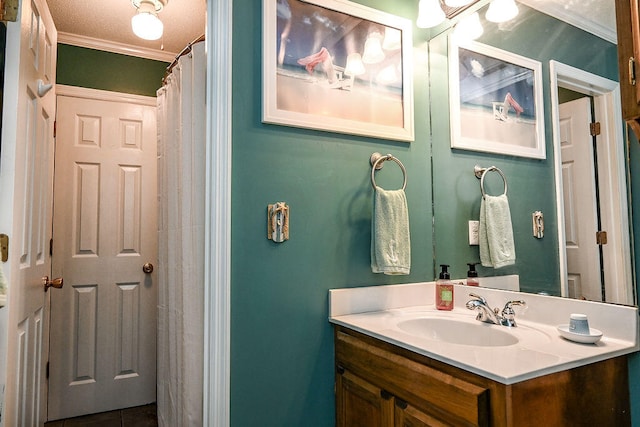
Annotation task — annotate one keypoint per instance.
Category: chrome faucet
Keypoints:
(493, 316)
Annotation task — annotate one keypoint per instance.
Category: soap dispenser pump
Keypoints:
(472, 275)
(444, 290)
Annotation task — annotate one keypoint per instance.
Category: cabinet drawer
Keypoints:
(434, 392)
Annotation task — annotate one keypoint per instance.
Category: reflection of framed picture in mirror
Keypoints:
(495, 100)
(338, 66)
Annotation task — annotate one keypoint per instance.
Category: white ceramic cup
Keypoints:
(579, 324)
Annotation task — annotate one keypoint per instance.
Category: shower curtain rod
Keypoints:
(184, 51)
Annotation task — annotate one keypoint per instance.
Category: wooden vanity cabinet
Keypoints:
(380, 384)
(628, 28)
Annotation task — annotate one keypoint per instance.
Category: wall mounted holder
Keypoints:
(278, 222)
(538, 224)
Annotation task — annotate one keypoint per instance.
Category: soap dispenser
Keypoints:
(472, 275)
(444, 290)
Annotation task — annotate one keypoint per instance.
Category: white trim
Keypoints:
(563, 13)
(217, 333)
(115, 47)
(606, 95)
(104, 95)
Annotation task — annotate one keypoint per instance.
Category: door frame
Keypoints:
(611, 155)
(104, 95)
(217, 238)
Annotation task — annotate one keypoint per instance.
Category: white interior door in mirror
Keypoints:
(579, 190)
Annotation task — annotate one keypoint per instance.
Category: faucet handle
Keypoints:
(508, 311)
(478, 297)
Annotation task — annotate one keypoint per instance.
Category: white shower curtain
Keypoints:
(181, 180)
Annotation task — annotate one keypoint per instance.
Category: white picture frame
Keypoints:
(495, 99)
(317, 74)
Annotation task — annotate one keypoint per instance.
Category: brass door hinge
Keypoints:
(601, 237)
(9, 10)
(594, 128)
(4, 247)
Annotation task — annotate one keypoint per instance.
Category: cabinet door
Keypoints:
(635, 42)
(409, 416)
(628, 27)
(361, 404)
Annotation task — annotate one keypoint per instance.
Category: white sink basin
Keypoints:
(458, 332)
(405, 316)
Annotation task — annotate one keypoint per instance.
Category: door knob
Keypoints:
(147, 268)
(55, 283)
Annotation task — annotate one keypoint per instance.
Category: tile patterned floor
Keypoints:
(140, 416)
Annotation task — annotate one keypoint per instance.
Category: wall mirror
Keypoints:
(578, 68)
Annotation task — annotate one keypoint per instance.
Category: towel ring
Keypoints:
(377, 160)
(480, 174)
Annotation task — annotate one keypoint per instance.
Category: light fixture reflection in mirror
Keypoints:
(501, 11)
(354, 67)
(392, 39)
(430, 14)
(373, 49)
(387, 75)
(469, 28)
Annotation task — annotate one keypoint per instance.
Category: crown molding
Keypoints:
(115, 47)
(558, 11)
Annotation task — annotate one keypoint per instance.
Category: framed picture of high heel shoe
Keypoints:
(495, 101)
(337, 66)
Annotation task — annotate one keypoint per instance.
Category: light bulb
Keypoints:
(501, 11)
(145, 23)
(430, 14)
(354, 66)
(469, 28)
(373, 49)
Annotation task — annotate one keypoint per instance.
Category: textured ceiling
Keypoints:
(110, 20)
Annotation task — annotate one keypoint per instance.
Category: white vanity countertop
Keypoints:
(377, 310)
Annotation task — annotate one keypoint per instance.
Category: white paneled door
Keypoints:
(103, 323)
(580, 205)
(25, 207)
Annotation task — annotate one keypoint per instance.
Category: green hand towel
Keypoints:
(390, 243)
(496, 233)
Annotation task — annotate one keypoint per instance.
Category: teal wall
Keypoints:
(95, 69)
(531, 181)
(281, 340)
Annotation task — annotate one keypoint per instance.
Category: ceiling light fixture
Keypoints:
(145, 23)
